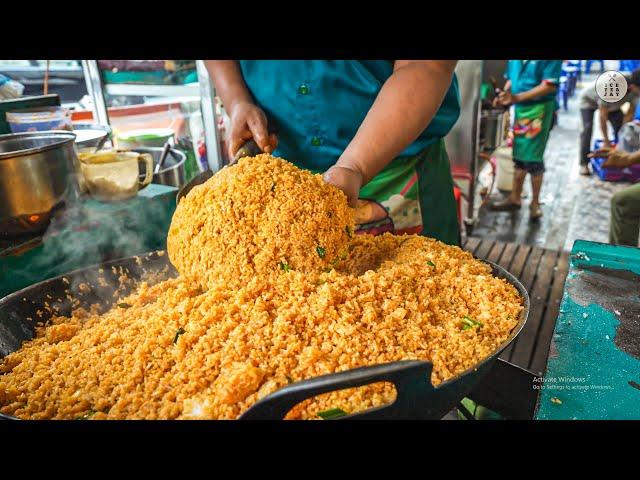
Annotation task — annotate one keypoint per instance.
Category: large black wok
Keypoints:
(416, 398)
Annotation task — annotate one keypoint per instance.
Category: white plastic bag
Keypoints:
(629, 137)
(10, 88)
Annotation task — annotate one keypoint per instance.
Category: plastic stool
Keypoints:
(572, 79)
(629, 65)
(457, 194)
(577, 64)
(587, 68)
(563, 93)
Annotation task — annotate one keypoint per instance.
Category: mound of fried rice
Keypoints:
(184, 349)
(259, 216)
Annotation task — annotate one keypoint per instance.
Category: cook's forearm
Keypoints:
(229, 83)
(536, 92)
(404, 107)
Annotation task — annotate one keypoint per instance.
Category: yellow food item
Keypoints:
(385, 303)
(260, 216)
(176, 350)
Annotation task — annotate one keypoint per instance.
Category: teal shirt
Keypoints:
(527, 74)
(318, 105)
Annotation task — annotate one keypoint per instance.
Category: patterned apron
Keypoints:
(411, 195)
(531, 130)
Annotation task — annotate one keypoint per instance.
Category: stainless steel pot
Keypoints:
(491, 129)
(172, 172)
(39, 172)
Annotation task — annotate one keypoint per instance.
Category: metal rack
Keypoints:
(463, 139)
(153, 90)
(203, 89)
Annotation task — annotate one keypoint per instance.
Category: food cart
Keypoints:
(145, 102)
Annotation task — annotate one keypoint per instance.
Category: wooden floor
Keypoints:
(543, 273)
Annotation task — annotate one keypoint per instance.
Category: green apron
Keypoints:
(531, 130)
(412, 195)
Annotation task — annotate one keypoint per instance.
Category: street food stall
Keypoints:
(159, 290)
(71, 225)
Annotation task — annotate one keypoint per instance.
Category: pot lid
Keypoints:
(18, 144)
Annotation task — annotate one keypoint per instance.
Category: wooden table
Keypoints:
(543, 273)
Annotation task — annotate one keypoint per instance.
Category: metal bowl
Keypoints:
(39, 172)
(172, 172)
(90, 134)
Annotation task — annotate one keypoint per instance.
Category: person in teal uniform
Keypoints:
(531, 86)
(374, 129)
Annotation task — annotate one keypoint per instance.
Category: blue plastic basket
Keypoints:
(614, 174)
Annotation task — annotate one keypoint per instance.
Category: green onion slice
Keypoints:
(468, 322)
(179, 332)
(87, 415)
(284, 267)
(332, 413)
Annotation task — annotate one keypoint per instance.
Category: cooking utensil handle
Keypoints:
(101, 143)
(412, 380)
(148, 174)
(194, 182)
(250, 148)
(163, 157)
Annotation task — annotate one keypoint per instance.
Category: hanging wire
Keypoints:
(46, 78)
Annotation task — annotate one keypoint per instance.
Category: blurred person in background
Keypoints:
(624, 227)
(590, 102)
(531, 87)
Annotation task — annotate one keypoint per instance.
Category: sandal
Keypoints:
(535, 212)
(505, 205)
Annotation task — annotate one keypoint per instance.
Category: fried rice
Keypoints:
(187, 349)
(259, 216)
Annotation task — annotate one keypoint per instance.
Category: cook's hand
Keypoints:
(249, 121)
(347, 179)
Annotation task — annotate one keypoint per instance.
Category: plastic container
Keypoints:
(615, 174)
(39, 119)
(151, 137)
(505, 168)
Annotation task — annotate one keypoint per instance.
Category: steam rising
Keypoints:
(87, 233)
